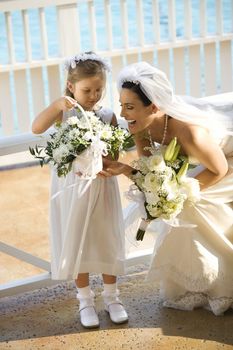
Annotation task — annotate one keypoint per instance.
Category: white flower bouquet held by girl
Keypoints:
(79, 144)
(161, 184)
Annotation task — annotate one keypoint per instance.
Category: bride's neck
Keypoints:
(157, 128)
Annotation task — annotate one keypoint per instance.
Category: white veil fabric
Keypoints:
(156, 86)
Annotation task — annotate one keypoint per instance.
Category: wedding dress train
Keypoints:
(194, 265)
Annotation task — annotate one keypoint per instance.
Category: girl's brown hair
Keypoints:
(84, 69)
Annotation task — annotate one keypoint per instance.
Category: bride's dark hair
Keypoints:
(137, 90)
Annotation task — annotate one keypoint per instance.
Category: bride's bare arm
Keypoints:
(202, 146)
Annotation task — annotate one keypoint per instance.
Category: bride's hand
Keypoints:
(114, 168)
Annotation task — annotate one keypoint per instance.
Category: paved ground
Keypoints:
(48, 318)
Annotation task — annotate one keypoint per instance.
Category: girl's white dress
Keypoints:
(194, 265)
(86, 223)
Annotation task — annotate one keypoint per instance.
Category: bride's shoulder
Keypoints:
(191, 133)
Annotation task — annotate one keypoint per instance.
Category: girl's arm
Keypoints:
(202, 146)
(52, 113)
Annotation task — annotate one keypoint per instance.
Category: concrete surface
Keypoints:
(48, 318)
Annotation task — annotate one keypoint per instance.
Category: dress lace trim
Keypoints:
(190, 293)
(190, 301)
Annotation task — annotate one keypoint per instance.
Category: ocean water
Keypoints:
(117, 30)
(52, 30)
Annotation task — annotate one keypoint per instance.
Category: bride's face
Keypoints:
(138, 116)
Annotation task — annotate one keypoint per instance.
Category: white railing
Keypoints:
(199, 64)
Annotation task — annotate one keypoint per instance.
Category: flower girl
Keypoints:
(86, 224)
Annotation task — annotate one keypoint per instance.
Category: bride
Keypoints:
(192, 264)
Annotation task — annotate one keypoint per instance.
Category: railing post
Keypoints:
(68, 28)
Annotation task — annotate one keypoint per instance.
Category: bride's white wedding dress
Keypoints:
(194, 265)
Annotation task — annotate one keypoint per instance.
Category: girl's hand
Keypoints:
(67, 103)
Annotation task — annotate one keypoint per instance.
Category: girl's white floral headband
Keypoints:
(74, 60)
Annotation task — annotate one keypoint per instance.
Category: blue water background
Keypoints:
(51, 24)
(117, 31)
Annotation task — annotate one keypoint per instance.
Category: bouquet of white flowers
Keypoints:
(160, 181)
(80, 142)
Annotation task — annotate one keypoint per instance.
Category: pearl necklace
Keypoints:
(164, 133)
(165, 130)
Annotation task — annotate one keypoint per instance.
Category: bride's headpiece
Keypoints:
(158, 89)
(71, 62)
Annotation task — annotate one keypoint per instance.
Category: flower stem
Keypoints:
(140, 234)
(142, 229)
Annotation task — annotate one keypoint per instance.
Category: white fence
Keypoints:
(199, 64)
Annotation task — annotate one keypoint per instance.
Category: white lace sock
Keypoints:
(110, 288)
(110, 293)
(85, 296)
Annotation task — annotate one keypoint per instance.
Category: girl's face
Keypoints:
(138, 116)
(87, 92)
